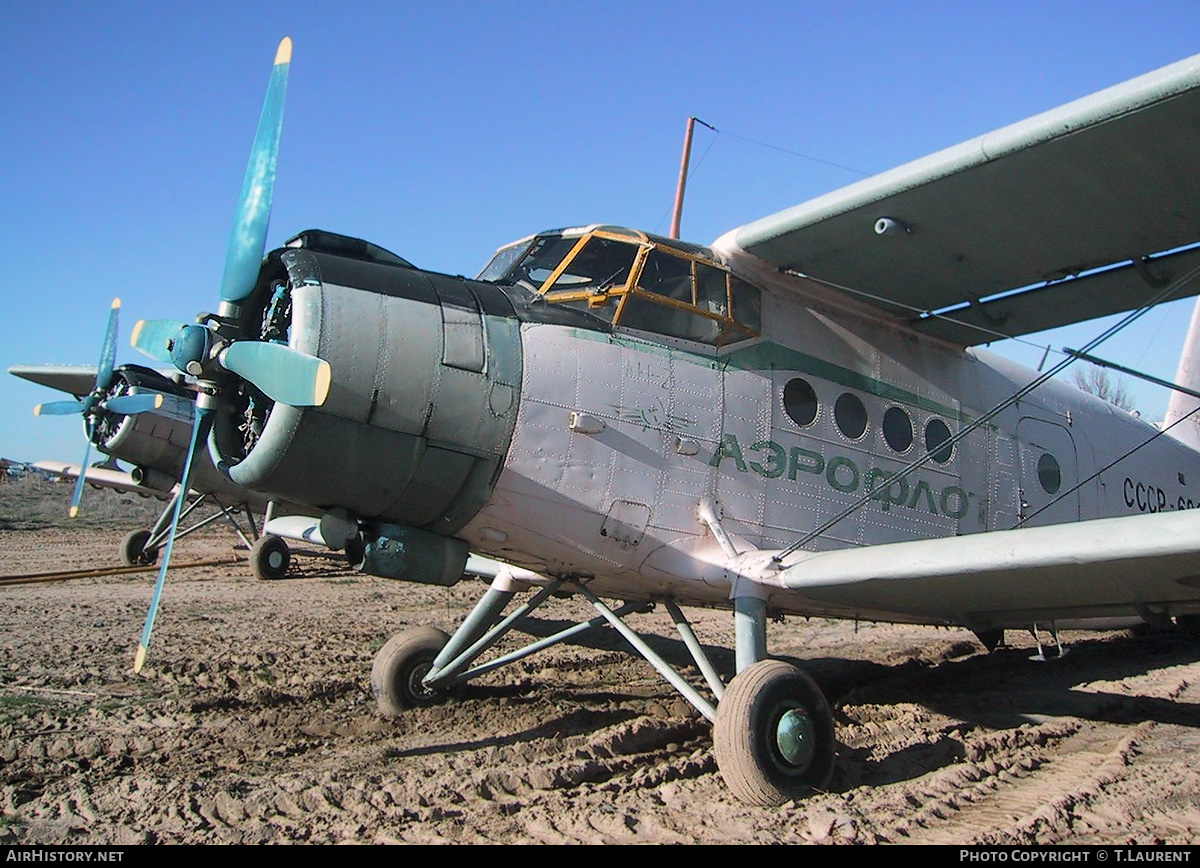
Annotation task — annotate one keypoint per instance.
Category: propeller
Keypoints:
(200, 427)
(98, 400)
(213, 349)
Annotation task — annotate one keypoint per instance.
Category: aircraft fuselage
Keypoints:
(547, 436)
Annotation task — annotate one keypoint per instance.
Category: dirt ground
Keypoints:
(253, 720)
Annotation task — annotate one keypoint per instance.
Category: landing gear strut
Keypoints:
(774, 732)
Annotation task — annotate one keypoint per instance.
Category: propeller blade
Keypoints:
(58, 408)
(155, 337)
(131, 405)
(249, 237)
(87, 453)
(108, 350)
(282, 373)
(200, 429)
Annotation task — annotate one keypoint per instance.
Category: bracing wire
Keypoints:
(1160, 432)
(921, 461)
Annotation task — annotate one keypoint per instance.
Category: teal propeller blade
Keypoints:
(131, 405)
(155, 337)
(78, 495)
(249, 236)
(58, 408)
(200, 429)
(104, 377)
(108, 349)
(282, 373)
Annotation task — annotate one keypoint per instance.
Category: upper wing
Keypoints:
(1007, 578)
(1103, 182)
(75, 380)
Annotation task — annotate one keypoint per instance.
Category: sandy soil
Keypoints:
(253, 721)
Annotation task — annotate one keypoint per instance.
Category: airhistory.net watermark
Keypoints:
(37, 855)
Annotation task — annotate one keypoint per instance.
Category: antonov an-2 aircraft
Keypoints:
(792, 420)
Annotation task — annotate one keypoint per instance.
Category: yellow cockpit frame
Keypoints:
(726, 322)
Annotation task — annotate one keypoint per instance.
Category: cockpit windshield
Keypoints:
(504, 260)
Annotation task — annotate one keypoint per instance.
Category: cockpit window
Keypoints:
(747, 301)
(505, 259)
(601, 266)
(545, 254)
(635, 281)
(712, 290)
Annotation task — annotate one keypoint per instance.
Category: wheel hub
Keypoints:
(416, 681)
(795, 736)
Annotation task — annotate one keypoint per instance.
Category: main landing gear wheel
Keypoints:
(134, 552)
(269, 557)
(399, 667)
(774, 735)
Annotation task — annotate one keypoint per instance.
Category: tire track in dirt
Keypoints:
(253, 723)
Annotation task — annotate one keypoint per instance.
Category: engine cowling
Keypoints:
(426, 380)
(156, 438)
(155, 442)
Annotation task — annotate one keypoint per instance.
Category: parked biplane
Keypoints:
(794, 420)
(142, 416)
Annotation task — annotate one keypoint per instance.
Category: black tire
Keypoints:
(270, 557)
(134, 552)
(1188, 625)
(399, 667)
(762, 764)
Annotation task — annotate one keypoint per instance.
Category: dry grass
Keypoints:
(31, 503)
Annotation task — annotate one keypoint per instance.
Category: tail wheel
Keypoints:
(134, 552)
(400, 665)
(774, 735)
(270, 557)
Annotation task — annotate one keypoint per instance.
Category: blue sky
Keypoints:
(443, 130)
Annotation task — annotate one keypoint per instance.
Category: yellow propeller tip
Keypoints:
(116, 303)
(137, 330)
(73, 511)
(37, 411)
(158, 401)
(139, 659)
(284, 53)
(321, 383)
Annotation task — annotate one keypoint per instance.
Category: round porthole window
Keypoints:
(897, 429)
(1049, 473)
(800, 402)
(937, 433)
(850, 415)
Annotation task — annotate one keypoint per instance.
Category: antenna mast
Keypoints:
(677, 213)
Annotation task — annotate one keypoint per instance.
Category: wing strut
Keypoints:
(1057, 368)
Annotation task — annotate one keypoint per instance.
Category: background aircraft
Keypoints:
(143, 417)
(790, 421)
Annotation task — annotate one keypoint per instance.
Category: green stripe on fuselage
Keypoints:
(769, 356)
